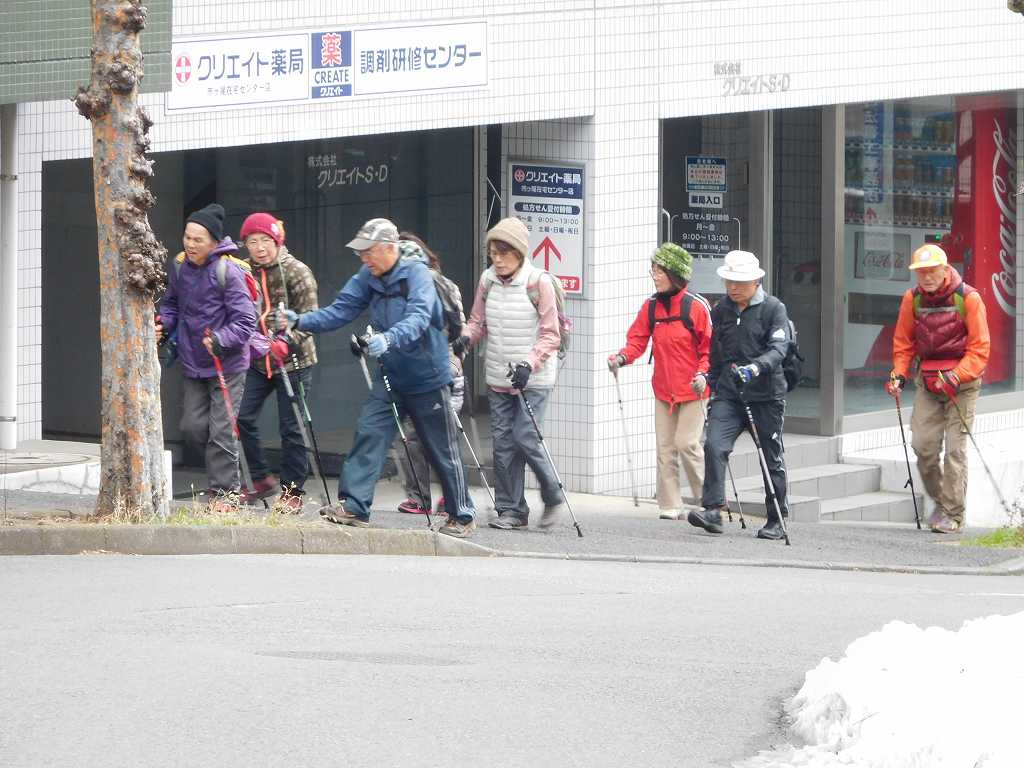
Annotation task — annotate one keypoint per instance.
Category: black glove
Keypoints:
(357, 345)
(215, 347)
(460, 346)
(520, 375)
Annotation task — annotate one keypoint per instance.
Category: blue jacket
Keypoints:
(410, 318)
(195, 301)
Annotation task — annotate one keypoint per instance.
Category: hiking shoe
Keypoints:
(290, 503)
(261, 489)
(772, 531)
(708, 519)
(458, 530)
(669, 514)
(936, 517)
(442, 508)
(508, 523)
(412, 507)
(947, 525)
(336, 513)
(224, 505)
(551, 514)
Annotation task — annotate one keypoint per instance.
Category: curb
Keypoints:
(321, 539)
(230, 540)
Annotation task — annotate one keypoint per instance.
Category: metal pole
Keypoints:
(739, 234)
(9, 277)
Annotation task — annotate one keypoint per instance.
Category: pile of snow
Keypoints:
(906, 697)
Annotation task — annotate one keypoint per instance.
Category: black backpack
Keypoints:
(793, 362)
(683, 316)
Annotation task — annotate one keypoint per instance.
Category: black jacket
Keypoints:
(760, 335)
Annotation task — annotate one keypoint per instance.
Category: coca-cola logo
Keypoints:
(1004, 185)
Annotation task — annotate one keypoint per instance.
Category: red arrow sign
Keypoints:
(548, 248)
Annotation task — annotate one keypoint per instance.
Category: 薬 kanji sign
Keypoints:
(317, 65)
(549, 200)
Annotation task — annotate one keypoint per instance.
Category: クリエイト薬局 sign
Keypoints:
(324, 64)
(549, 200)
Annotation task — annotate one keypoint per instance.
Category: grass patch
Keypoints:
(220, 511)
(1004, 538)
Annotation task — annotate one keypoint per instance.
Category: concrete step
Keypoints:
(880, 506)
(804, 509)
(824, 481)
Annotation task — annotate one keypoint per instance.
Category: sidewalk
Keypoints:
(613, 530)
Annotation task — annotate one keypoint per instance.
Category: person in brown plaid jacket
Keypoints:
(282, 279)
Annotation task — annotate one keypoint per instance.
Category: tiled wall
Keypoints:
(585, 81)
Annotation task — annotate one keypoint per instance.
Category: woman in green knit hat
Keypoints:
(679, 325)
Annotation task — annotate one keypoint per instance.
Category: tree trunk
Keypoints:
(131, 265)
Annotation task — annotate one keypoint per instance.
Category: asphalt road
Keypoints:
(376, 661)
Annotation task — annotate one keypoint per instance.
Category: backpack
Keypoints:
(222, 273)
(793, 362)
(564, 321)
(447, 294)
(683, 316)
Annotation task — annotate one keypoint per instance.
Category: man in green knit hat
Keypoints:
(678, 325)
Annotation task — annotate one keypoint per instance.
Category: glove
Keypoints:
(895, 384)
(285, 319)
(615, 362)
(460, 346)
(699, 383)
(746, 373)
(520, 375)
(214, 347)
(377, 345)
(943, 383)
(280, 350)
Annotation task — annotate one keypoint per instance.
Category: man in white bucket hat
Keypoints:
(750, 338)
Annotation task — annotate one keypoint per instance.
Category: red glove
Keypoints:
(950, 383)
(279, 350)
(895, 384)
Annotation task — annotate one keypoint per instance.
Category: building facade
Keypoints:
(830, 137)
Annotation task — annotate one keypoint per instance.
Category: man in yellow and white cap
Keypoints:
(941, 325)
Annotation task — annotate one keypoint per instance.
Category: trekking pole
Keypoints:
(540, 438)
(310, 446)
(469, 444)
(243, 464)
(732, 479)
(769, 487)
(906, 453)
(970, 434)
(625, 437)
(398, 419)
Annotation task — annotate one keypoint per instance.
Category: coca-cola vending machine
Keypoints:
(984, 233)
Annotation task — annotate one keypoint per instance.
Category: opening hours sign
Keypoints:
(549, 200)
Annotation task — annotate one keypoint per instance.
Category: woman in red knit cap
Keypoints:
(282, 279)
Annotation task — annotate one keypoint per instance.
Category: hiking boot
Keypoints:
(551, 514)
(224, 505)
(508, 523)
(669, 514)
(947, 525)
(261, 489)
(412, 507)
(772, 531)
(458, 530)
(936, 517)
(708, 519)
(336, 513)
(442, 508)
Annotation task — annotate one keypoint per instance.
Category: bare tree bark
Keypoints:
(131, 265)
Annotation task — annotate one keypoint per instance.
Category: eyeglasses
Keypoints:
(258, 242)
(655, 270)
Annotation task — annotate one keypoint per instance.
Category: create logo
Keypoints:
(182, 69)
(520, 175)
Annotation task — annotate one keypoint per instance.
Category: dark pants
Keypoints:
(726, 420)
(206, 426)
(431, 415)
(294, 459)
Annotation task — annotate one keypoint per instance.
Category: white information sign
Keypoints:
(548, 197)
(326, 64)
